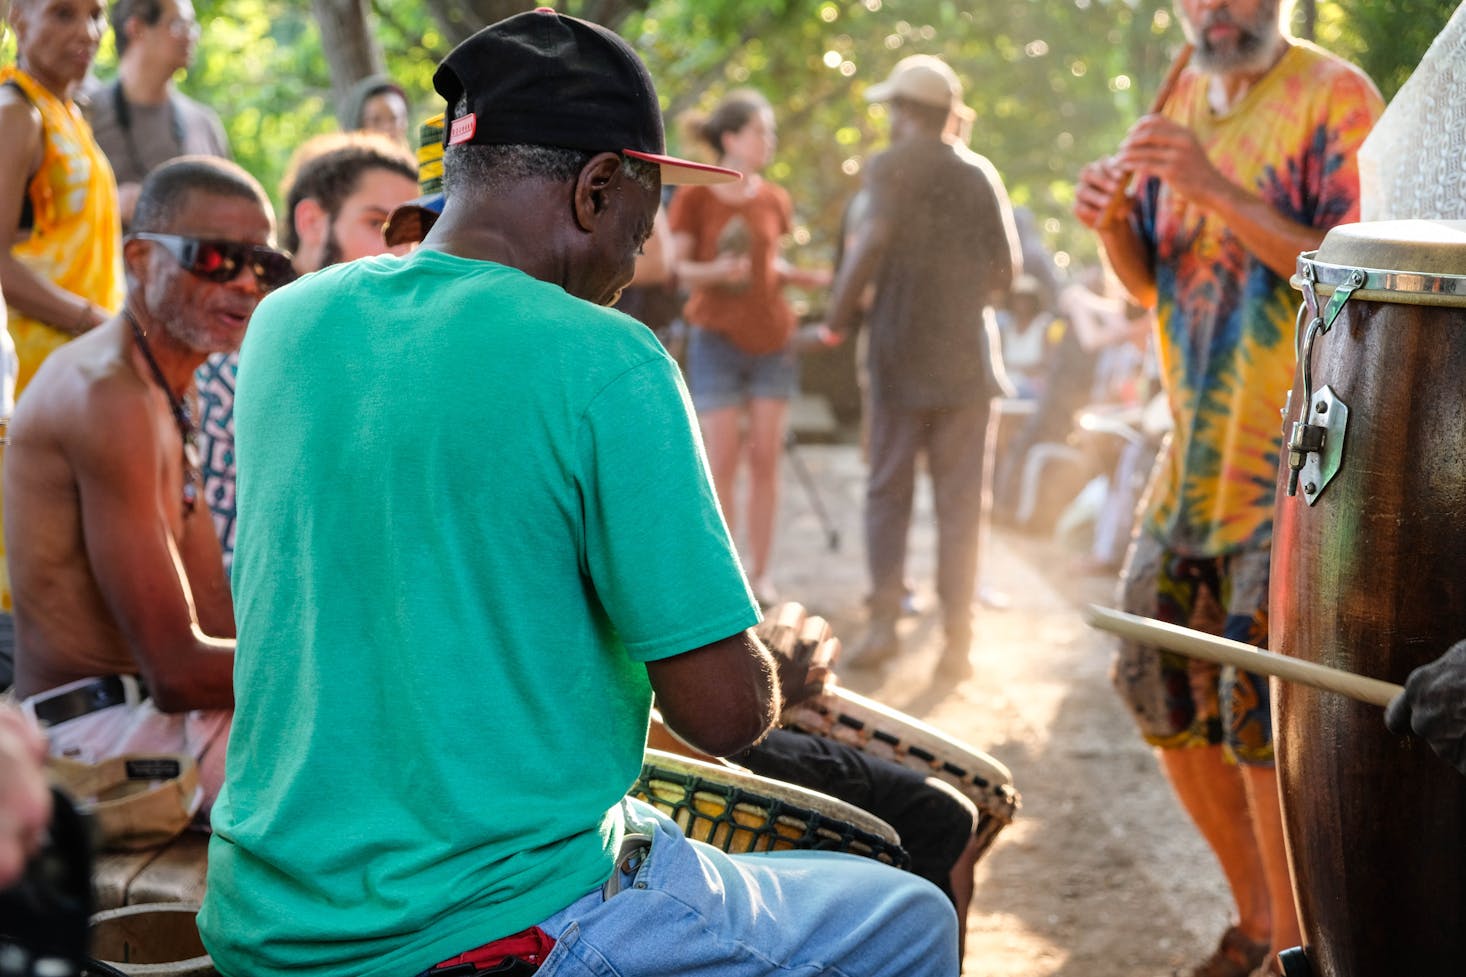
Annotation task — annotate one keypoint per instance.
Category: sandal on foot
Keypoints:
(1238, 955)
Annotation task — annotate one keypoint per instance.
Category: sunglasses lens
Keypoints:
(273, 269)
(222, 261)
(216, 261)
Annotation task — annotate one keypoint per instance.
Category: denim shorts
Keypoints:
(719, 374)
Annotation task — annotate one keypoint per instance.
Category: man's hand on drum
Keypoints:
(25, 799)
(803, 677)
(804, 649)
(1433, 706)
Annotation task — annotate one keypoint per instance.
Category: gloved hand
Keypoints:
(1433, 706)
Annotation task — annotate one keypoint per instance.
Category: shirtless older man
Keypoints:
(125, 626)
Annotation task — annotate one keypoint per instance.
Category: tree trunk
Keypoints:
(457, 19)
(350, 50)
(1307, 18)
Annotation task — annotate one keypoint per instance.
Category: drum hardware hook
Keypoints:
(1295, 963)
(1308, 440)
(1316, 449)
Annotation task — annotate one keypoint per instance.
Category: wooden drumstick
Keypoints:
(1224, 651)
(1121, 197)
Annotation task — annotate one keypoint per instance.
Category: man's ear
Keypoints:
(133, 28)
(593, 188)
(135, 253)
(310, 220)
(311, 223)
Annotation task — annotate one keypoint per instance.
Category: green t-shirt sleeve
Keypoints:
(656, 548)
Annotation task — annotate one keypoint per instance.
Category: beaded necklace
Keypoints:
(182, 416)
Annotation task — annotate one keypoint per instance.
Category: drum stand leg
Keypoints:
(811, 491)
(1295, 963)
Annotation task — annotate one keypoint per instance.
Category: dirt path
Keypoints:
(1101, 874)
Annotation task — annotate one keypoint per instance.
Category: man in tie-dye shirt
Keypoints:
(1251, 160)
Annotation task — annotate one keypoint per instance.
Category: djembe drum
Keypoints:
(889, 734)
(738, 811)
(1369, 546)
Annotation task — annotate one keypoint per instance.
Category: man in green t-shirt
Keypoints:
(476, 533)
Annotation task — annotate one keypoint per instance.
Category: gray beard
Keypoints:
(1256, 47)
(1252, 53)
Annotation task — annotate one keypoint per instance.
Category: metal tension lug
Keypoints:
(1307, 439)
(1316, 447)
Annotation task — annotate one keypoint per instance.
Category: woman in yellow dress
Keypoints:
(60, 233)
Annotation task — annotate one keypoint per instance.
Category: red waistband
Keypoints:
(531, 946)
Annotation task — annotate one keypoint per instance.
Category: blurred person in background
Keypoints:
(140, 119)
(60, 233)
(377, 104)
(742, 369)
(935, 238)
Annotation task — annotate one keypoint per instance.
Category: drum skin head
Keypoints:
(739, 811)
(1404, 262)
(1426, 247)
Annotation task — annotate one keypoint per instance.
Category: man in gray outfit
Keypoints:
(937, 242)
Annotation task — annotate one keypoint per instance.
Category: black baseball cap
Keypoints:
(545, 79)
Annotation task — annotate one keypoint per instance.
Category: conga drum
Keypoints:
(1369, 575)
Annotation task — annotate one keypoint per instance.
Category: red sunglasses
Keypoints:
(222, 261)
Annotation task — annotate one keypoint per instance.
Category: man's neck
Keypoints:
(175, 361)
(142, 83)
(918, 133)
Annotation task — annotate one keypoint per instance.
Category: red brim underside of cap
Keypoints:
(684, 172)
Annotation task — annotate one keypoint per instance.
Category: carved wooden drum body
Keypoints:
(1369, 575)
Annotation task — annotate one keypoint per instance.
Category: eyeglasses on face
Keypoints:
(222, 261)
(182, 27)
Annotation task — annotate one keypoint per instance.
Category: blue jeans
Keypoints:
(686, 909)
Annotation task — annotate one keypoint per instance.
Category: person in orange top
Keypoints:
(60, 233)
(740, 357)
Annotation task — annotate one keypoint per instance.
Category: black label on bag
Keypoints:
(153, 768)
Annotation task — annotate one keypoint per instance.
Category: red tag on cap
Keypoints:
(544, 10)
(462, 129)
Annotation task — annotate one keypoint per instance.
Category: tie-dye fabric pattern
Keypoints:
(1226, 322)
(215, 380)
(77, 238)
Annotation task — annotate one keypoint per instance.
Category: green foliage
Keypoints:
(1387, 38)
(1053, 83)
(272, 90)
(260, 66)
